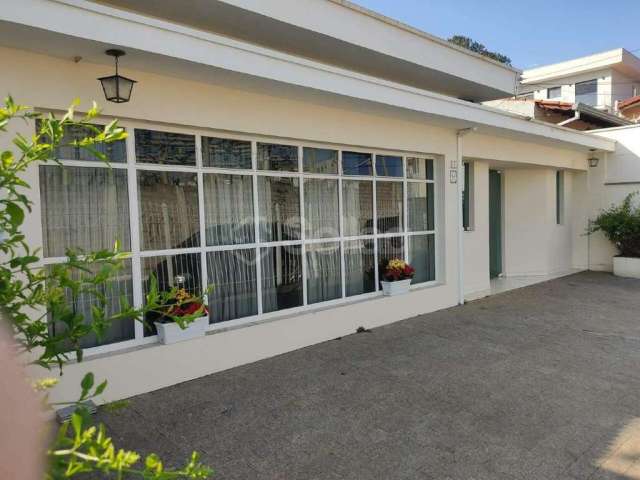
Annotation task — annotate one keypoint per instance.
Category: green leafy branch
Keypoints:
(38, 302)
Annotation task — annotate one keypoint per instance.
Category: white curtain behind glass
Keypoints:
(83, 208)
(321, 208)
(323, 272)
(228, 209)
(232, 275)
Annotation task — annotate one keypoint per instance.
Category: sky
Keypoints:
(530, 33)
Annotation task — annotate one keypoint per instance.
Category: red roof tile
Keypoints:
(554, 105)
(628, 102)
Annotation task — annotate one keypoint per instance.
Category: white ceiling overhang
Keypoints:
(68, 28)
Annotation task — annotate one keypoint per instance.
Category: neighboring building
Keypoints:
(630, 108)
(599, 80)
(280, 150)
(577, 116)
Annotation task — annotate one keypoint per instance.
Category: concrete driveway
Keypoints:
(537, 383)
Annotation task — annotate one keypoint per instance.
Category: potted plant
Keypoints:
(185, 319)
(621, 225)
(397, 275)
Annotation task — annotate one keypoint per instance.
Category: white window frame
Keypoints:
(137, 254)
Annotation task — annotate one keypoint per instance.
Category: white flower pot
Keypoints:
(400, 287)
(628, 267)
(172, 333)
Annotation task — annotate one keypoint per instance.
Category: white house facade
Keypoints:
(600, 80)
(278, 151)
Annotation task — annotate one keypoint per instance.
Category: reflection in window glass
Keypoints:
(320, 160)
(116, 152)
(83, 208)
(323, 272)
(279, 203)
(422, 257)
(389, 166)
(113, 290)
(321, 208)
(420, 206)
(359, 265)
(232, 275)
(357, 197)
(165, 148)
(228, 209)
(169, 270)
(355, 163)
(389, 200)
(587, 92)
(390, 248)
(168, 210)
(419, 168)
(281, 277)
(277, 157)
(225, 153)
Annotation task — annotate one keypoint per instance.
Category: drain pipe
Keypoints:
(460, 184)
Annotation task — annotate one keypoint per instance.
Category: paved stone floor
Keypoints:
(537, 383)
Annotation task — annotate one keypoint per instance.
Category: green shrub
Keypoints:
(621, 225)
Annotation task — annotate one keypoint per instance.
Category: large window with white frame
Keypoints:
(271, 226)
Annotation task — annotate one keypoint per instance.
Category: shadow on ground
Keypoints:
(537, 383)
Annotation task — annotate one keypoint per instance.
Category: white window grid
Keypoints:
(137, 254)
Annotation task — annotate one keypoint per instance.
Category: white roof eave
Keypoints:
(78, 19)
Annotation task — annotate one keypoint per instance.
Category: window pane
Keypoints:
(389, 199)
(168, 210)
(389, 166)
(420, 168)
(420, 206)
(279, 200)
(116, 152)
(83, 208)
(166, 269)
(587, 92)
(422, 257)
(116, 287)
(389, 249)
(323, 272)
(359, 264)
(357, 197)
(466, 196)
(554, 92)
(277, 157)
(281, 277)
(225, 153)
(232, 275)
(320, 160)
(321, 208)
(228, 209)
(355, 163)
(165, 148)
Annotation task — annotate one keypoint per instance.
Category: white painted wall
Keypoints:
(476, 240)
(534, 244)
(606, 98)
(52, 83)
(617, 175)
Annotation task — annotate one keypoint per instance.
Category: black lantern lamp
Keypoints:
(593, 159)
(116, 87)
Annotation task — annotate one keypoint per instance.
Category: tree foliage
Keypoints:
(33, 298)
(621, 225)
(478, 47)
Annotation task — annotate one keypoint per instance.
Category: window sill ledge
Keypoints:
(215, 329)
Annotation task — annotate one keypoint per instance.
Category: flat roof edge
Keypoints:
(421, 33)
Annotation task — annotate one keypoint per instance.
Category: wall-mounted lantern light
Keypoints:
(116, 87)
(593, 160)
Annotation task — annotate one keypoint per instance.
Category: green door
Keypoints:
(495, 223)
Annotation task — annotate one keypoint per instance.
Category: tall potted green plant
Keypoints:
(621, 225)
